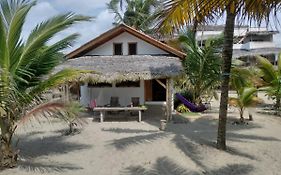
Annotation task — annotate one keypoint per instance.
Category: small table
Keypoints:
(102, 110)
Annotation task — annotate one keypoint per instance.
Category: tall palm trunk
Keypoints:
(8, 156)
(241, 114)
(227, 58)
(278, 102)
(194, 28)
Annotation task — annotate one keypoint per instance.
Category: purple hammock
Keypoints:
(192, 107)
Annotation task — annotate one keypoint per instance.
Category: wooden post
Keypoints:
(101, 116)
(169, 99)
(139, 115)
(66, 93)
(172, 95)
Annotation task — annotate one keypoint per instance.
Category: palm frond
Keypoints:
(14, 42)
(44, 32)
(177, 14)
(43, 110)
(267, 69)
(56, 80)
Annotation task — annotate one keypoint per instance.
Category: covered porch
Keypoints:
(146, 78)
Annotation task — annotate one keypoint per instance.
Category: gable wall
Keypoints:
(143, 48)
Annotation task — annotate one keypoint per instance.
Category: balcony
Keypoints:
(257, 45)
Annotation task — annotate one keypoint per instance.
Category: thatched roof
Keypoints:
(237, 53)
(124, 68)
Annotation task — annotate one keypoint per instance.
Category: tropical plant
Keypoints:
(182, 108)
(246, 98)
(74, 108)
(25, 67)
(202, 66)
(179, 13)
(138, 13)
(240, 78)
(271, 77)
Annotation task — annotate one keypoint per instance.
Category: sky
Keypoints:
(88, 30)
(102, 22)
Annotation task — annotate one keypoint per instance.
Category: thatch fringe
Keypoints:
(124, 68)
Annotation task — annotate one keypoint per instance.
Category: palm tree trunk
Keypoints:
(241, 115)
(194, 28)
(8, 157)
(278, 102)
(250, 117)
(227, 58)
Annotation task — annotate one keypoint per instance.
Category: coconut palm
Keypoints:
(245, 99)
(202, 65)
(138, 13)
(271, 77)
(25, 67)
(179, 13)
(240, 78)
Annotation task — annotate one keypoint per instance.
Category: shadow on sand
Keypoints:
(165, 166)
(33, 147)
(44, 167)
(191, 138)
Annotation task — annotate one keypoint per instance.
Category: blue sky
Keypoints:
(88, 30)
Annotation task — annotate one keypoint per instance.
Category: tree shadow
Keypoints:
(35, 146)
(190, 149)
(190, 138)
(233, 169)
(165, 166)
(127, 130)
(134, 140)
(238, 137)
(46, 167)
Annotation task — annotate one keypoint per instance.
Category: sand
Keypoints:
(133, 148)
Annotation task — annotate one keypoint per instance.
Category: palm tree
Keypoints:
(246, 98)
(178, 13)
(241, 78)
(25, 67)
(271, 78)
(202, 65)
(138, 13)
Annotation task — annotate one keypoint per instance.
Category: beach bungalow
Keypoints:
(130, 65)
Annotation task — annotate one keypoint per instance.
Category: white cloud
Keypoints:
(79, 6)
(42, 11)
(88, 30)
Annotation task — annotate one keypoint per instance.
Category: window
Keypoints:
(117, 49)
(132, 48)
(99, 85)
(128, 84)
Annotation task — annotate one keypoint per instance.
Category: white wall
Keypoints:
(258, 45)
(143, 48)
(102, 95)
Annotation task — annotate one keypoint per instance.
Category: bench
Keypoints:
(102, 110)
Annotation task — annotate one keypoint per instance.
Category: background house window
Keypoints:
(132, 48)
(128, 84)
(99, 85)
(117, 49)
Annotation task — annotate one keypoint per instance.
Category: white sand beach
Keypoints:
(133, 148)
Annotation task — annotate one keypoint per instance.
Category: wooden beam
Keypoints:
(169, 96)
(65, 89)
(162, 84)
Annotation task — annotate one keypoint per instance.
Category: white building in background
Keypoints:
(248, 42)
